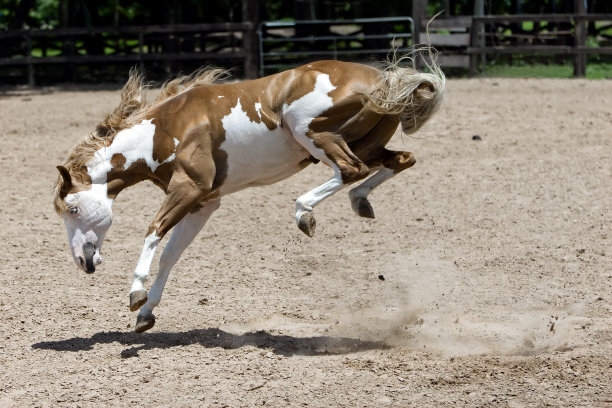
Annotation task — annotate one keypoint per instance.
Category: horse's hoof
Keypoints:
(307, 224)
(137, 299)
(144, 322)
(363, 208)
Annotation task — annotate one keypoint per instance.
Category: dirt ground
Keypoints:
(495, 254)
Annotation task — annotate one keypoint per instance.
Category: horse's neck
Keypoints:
(117, 181)
(111, 178)
(127, 160)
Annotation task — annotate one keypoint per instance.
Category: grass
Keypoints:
(594, 71)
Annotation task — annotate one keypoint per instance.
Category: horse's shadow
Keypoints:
(213, 337)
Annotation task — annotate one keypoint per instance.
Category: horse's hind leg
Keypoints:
(183, 233)
(331, 149)
(392, 163)
(305, 203)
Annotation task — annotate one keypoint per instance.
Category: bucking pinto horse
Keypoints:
(201, 140)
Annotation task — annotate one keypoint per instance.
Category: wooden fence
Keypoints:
(202, 43)
(467, 41)
(567, 37)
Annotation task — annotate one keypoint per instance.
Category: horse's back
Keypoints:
(348, 115)
(257, 129)
(262, 120)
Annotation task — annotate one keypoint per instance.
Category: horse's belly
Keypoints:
(258, 156)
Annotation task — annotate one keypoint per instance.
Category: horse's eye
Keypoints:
(74, 210)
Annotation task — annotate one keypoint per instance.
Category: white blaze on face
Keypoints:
(93, 214)
(90, 223)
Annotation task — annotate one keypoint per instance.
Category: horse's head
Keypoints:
(87, 214)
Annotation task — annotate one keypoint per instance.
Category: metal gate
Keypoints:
(286, 44)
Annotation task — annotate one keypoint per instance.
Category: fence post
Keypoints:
(250, 39)
(419, 13)
(580, 39)
(141, 51)
(31, 82)
(477, 39)
(473, 70)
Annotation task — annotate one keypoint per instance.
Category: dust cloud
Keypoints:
(420, 309)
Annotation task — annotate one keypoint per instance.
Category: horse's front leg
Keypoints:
(138, 294)
(183, 195)
(182, 235)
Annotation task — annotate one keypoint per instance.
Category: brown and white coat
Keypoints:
(202, 140)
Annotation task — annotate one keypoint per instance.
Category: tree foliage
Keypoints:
(83, 13)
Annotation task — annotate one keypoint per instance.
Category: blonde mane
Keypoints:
(131, 110)
(403, 90)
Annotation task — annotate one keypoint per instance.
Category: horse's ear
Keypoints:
(67, 178)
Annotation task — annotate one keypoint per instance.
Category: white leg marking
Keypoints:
(298, 117)
(183, 233)
(306, 202)
(144, 263)
(370, 184)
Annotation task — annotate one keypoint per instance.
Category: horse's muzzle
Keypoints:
(89, 251)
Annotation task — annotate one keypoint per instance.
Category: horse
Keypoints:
(204, 137)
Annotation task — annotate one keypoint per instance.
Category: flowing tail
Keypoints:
(414, 96)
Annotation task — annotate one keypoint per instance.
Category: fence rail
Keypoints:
(463, 41)
(486, 40)
(467, 41)
(550, 18)
(283, 44)
(129, 44)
